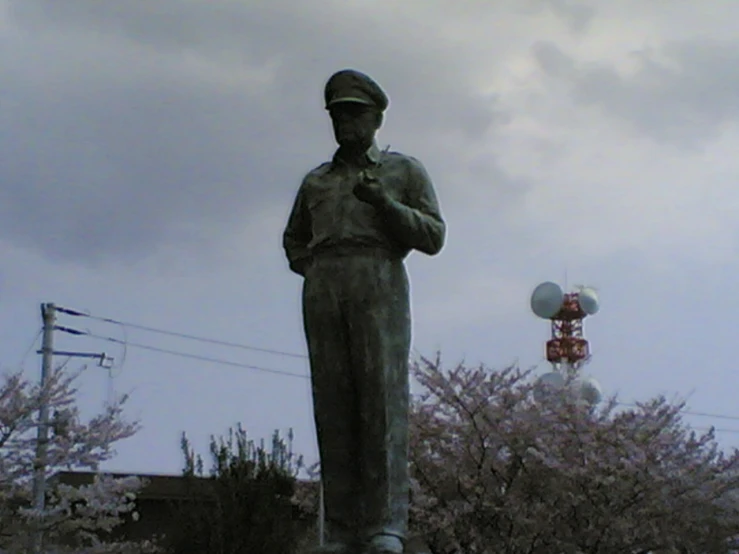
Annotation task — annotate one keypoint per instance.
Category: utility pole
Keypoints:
(48, 314)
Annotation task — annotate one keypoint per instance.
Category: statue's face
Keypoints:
(355, 124)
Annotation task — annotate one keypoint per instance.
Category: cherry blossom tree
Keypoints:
(75, 519)
(495, 472)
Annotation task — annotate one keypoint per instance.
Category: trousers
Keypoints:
(356, 316)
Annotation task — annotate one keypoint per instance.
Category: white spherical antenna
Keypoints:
(547, 384)
(546, 300)
(591, 391)
(588, 300)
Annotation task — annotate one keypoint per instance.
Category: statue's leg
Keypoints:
(381, 333)
(334, 399)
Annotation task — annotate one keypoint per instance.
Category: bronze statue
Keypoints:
(353, 222)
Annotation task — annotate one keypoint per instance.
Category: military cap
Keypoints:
(349, 85)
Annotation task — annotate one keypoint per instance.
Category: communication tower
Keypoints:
(567, 349)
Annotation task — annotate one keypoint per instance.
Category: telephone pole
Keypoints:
(48, 314)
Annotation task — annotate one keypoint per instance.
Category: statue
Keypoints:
(352, 224)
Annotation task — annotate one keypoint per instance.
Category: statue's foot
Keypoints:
(385, 544)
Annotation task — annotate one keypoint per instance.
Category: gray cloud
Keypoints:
(578, 16)
(172, 134)
(682, 94)
(136, 124)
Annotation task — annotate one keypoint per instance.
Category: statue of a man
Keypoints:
(353, 222)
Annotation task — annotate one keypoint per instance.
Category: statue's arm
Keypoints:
(298, 233)
(417, 222)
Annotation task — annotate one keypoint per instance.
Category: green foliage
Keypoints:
(244, 503)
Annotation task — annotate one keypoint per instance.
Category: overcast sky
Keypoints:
(150, 152)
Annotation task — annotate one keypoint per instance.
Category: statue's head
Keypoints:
(356, 104)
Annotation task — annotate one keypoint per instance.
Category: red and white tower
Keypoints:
(567, 350)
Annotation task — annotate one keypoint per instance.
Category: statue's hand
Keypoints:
(369, 190)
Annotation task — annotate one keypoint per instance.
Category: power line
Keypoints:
(187, 336)
(178, 353)
(30, 348)
(716, 429)
(705, 414)
(690, 412)
(182, 335)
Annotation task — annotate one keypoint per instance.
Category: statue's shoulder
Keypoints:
(400, 158)
(411, 164)
(317, 172)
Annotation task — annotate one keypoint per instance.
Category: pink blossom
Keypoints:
(83, 514)
(495, 471)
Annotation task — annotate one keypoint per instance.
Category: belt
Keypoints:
(347, 251)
